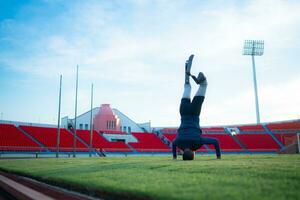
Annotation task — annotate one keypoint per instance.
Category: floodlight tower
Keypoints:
(254, 48)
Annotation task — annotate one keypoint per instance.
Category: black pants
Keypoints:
(194, 108)
(191, 108)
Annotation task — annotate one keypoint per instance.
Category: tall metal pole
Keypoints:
(91, 122)
(255, 91)
(254, 48)
(298, 140)
(75, 119)
(58, 118)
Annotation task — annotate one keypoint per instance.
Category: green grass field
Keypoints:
(234, 177)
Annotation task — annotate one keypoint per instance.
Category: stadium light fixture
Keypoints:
(58, 118)
(254, 48)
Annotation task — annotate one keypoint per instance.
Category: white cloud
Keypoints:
(279, 101)
(139, 53)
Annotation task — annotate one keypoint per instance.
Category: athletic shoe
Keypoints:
(201, 78)
(188, 66)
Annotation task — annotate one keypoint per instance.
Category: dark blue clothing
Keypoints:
(190, 112)
(189, 128)
(189, 132)
(196, 144)
(189, 123)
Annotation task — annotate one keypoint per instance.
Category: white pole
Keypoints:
(255, 91)
(91, 122)
(298, 139)
(58, 118)
(75, 119)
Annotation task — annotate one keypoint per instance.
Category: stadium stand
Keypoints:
(268, 137)
(227, 143)
(295, 125)
(12, 139)
(112, 132)
(99, 142)
(285, 132)
(286, 138)
(258, 142)
(252, 128)
(213, 130)
(172, 137)
(148, 142)
(48, 136)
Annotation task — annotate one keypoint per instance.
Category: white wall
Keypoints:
(81, 119)
(127, 122)
(85, 119)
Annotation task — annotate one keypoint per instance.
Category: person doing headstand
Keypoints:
(189, 135)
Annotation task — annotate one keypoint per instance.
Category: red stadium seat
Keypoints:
(213, 130)
(285, 127)
(227, 143)
(252, 128)
(286, 138)
(149, 142)
(258, 142)
(101, 143)
(12, 139)
(48, 136)
(170, 137)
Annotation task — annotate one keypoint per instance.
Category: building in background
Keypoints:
(107, 119)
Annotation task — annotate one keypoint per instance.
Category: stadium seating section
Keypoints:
(258, 142)
(99, 142)
(48, 137)
(112, 132)
(12, 139)
(248, 138)
(227, 143)
(253, 128)
(286, 138)
(213, 130)
(170, 137)
(148, 142)
(284, 126)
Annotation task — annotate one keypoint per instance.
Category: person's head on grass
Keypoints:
(188, 154)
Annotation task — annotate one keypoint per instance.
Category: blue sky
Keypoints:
(134, 53)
